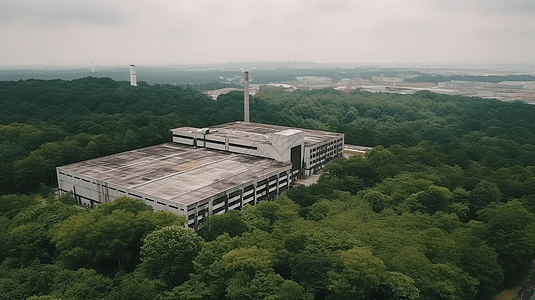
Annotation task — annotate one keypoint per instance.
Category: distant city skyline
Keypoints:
(76, 32)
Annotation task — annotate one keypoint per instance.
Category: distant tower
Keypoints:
(92, 69)
(349, 89)
(133, 81)
(246, 97)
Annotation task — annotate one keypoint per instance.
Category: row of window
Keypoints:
(215, 142)
(234, 201)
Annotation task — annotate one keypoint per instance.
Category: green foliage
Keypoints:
(26, 238)
(83, 284)
(377, 200)
(356, 273)
(108, 237)
(216, 225)
(21, 283)
(53, 99)
(167, 254)
(511, 232)
(11, 205)
(263, 286)
(433, 199)
(29, 242)
(480, 261)
(134, 286)
(67, 199)
(309, 268)
(262, 216)
(441, 208)
(397, 286)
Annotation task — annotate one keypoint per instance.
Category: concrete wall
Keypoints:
(316, 157)
(284, 141)
(91, 192)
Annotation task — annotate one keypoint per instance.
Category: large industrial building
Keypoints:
(205, 171)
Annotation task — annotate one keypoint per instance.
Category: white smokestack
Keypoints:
(246, 97)
(133, 81)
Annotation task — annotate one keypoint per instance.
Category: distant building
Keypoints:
(278, 86)
(314, 79)
(387, 80)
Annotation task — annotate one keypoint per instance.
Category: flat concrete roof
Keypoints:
(177, 173)
(352, 150)
(263, 133)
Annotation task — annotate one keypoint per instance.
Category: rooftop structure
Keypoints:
(307, 149)
(354, 150)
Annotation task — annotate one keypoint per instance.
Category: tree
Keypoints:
(31, 170)
(433, 199)
(356, 274)
(397, 286)
(264, 285)
(229, 222)
(377, 200)
(168, 254)
(108, 238)
(261, 216)
(135, 286)
(29, 242)
(310, 267)
(11, 205)
(480, 261)
(482, 195)
(435, 281)
(511, 232)
(83, 284)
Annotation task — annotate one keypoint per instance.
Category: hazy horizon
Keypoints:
(117, 33)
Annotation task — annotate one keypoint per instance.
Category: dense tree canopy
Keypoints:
(442, 207)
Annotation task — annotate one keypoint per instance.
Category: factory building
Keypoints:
(205, 171)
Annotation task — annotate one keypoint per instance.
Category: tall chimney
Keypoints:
(246, 97)
(133, 81)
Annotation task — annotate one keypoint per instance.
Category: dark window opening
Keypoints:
(243, 146)
(183, 137)
(215, 142)
(295, 157)
(219, 200)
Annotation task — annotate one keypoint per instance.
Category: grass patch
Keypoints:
(511, 294)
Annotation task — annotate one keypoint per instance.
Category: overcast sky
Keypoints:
(122, 32)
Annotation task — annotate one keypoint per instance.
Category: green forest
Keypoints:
(443, 207)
